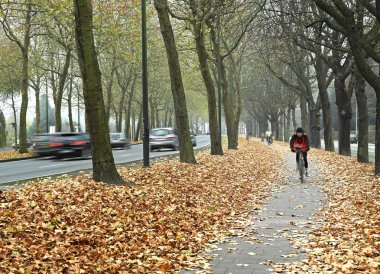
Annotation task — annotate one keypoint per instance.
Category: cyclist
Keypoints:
(300, 139)
(268, 135)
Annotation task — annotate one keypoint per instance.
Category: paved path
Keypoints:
(286, 215)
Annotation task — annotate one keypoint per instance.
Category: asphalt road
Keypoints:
(42, 167)
(354, 150)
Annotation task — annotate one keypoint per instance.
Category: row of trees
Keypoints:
(47, 43)
(303, 49)
(265, 58)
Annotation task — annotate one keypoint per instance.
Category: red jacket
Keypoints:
(302, 141)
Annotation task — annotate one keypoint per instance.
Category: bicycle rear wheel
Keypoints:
(301, 168)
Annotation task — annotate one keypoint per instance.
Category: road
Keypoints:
(42, 167)
(354, 150)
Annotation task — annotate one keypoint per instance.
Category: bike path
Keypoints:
(288, 214)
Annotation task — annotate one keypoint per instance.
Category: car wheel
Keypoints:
(86, 153)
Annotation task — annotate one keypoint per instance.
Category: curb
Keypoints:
(18, 159)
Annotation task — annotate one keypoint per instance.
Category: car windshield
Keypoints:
(115, 136)
(160, 132)
(41, 138)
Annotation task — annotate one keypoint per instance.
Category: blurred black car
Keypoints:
(353, 139)
(163, 138)
(62, 145)
(119, 140)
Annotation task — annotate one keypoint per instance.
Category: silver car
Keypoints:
(119, 140)
(163, 138)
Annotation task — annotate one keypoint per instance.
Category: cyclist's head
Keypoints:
(299, 131)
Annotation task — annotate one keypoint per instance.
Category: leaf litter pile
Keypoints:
(75, 225)
(8, 155)
(346, 237)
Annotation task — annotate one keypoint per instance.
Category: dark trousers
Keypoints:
(304, 158)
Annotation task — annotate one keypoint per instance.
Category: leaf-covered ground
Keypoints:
(346, 238)
(78, 226)
(7, 155)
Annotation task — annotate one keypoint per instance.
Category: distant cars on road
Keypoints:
(119, 140)
(163, 138)
(62, 145)
(166, 138)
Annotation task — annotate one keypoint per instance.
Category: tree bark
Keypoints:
(321, 72)
(128, 111)
(178, 91)
(343, 101)
(288, 123)
(138, 128)
(109, 88)
(304, 114)
(69, 105)
(104, 168)
(357, 41)
(361, 99)
(38, 109)
(61, 88)
(3, 130)
(216, 146)
(294, 118)
(14, 119)
(315, 128)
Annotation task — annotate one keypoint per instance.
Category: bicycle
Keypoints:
(300, 164)
(269, 140)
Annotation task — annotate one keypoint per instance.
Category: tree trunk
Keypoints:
(343, 101)
(109, 88)
(15, 119)
(321, 70)
(61, 89)
(294, 118)
(128, 110)
(178, 91)
(361, 99)
(38, 109)
(230, 94)
(216, 145)
(315, 137)
(304, 114)
(288, 122)
(104, 168)
(69, 105)
(138, 128)
(374, 80)
(23, 148)
(3, 130)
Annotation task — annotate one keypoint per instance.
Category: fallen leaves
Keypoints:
(160, 225)
(9, 155)
(346, 236)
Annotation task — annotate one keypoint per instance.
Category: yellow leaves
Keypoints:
(158, 226)
(7, 155)
(346, 238)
